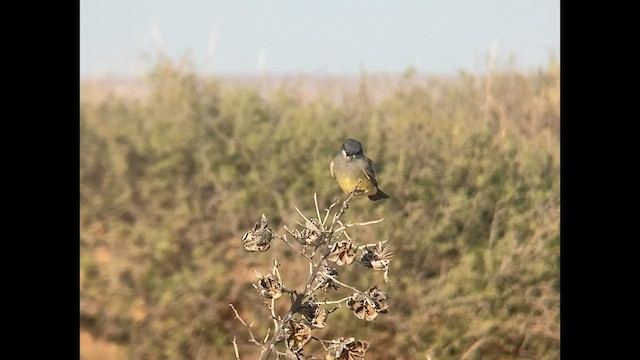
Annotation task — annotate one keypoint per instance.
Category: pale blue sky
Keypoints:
(328, 36)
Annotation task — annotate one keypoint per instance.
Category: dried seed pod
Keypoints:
(296, 355)
(312, 234)
(343, 252)
(379, 298)
(319, 320)
(300, 334)
(325, 282)
(349, 349)
(362, 307)
(315, 314)
(269, 286)
(377, 258)
(258, 239)
(357, 349)
(369, 304)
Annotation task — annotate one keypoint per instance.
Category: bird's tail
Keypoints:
(378, 196)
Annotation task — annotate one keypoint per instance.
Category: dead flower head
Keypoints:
(312, 234)
(315, 314)
(377, 258)
(269, 286)
(258, 239)
(343, 252)
(296, 355)
(369, 304)
(379, 298)
(299, 334)
(348, 349)
(323, 281)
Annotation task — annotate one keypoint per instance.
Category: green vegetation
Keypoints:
(172, 179)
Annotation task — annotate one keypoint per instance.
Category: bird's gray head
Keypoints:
(351, 147)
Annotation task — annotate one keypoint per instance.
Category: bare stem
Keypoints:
(315, 200)
(368, 245)
(333, 301)
(284, 238)
(276, 265)
(273, 315)
(345, 205)
(301, 214)
(341, 283)
(328, 210)
(235, 347)
(358, 224)
(253, 339)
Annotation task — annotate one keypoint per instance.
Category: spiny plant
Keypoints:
(323, 244)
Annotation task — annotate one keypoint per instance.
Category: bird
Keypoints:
(351, 166)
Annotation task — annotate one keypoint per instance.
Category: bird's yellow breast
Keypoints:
(348, 184)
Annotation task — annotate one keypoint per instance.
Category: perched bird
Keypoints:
(351, 166)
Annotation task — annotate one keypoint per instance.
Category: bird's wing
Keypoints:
(367, 167)
(331, 169)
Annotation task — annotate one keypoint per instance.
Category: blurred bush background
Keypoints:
(173, 175)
